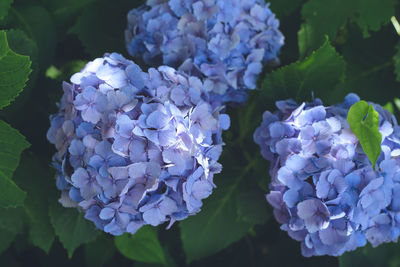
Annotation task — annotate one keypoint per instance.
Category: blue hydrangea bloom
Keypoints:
(225, 42)
(134, 147)
(324, 190)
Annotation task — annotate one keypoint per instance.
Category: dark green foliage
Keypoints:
(71, 228)
(331, 48)
(95, 31)
(320, 73)
(326, 17)
(143, 246)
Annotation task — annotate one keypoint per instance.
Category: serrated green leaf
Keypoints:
(320, 73)
(103, 243)
(12, 144)
(97, 34)
(4, 7)
(143, 246)
(14, 72)
(364, 123)
(325, 17)
(37, 179)
(71, 227)
(20, 43)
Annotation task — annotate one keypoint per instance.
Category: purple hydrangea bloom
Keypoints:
(134, 147)
(324, 190)
(225, 42)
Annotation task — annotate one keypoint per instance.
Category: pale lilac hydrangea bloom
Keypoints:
(324, 190)
(134, 147)
(226, 42)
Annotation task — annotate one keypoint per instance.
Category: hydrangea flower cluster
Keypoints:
(324, 190)
(134, 147)
(224, 42)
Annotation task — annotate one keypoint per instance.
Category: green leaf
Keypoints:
(20, 43)
(364, 123)
(66, 12)
(6, 238)
(66, 71)
(389, 107)
(10, 194)
(12, 143)
(65, 9)
(397, 103)
(103, 243)
(4, 7)
(384, 255)
(96, 33)
(12, 219)
(143, 246)
(396, 59)
(217, 225)
(319, 73)
(37, 179)
(325, 17)
(251, 204)
(14, 72)
(71, 227)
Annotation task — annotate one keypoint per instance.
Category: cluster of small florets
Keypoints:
(324, 190)
(225, 42)
(135, 148)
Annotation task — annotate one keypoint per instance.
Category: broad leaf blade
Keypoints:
(320, 73)
(383, 255)
(217, 225)
(12, 144)
(364, 123)
(143, 246)
(14, 72)
(37, 179)
(325, 17)
(103, 243)
(10, 194)
(71, 227)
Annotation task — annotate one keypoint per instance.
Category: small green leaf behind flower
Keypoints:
(143, 246)
(364, 123)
